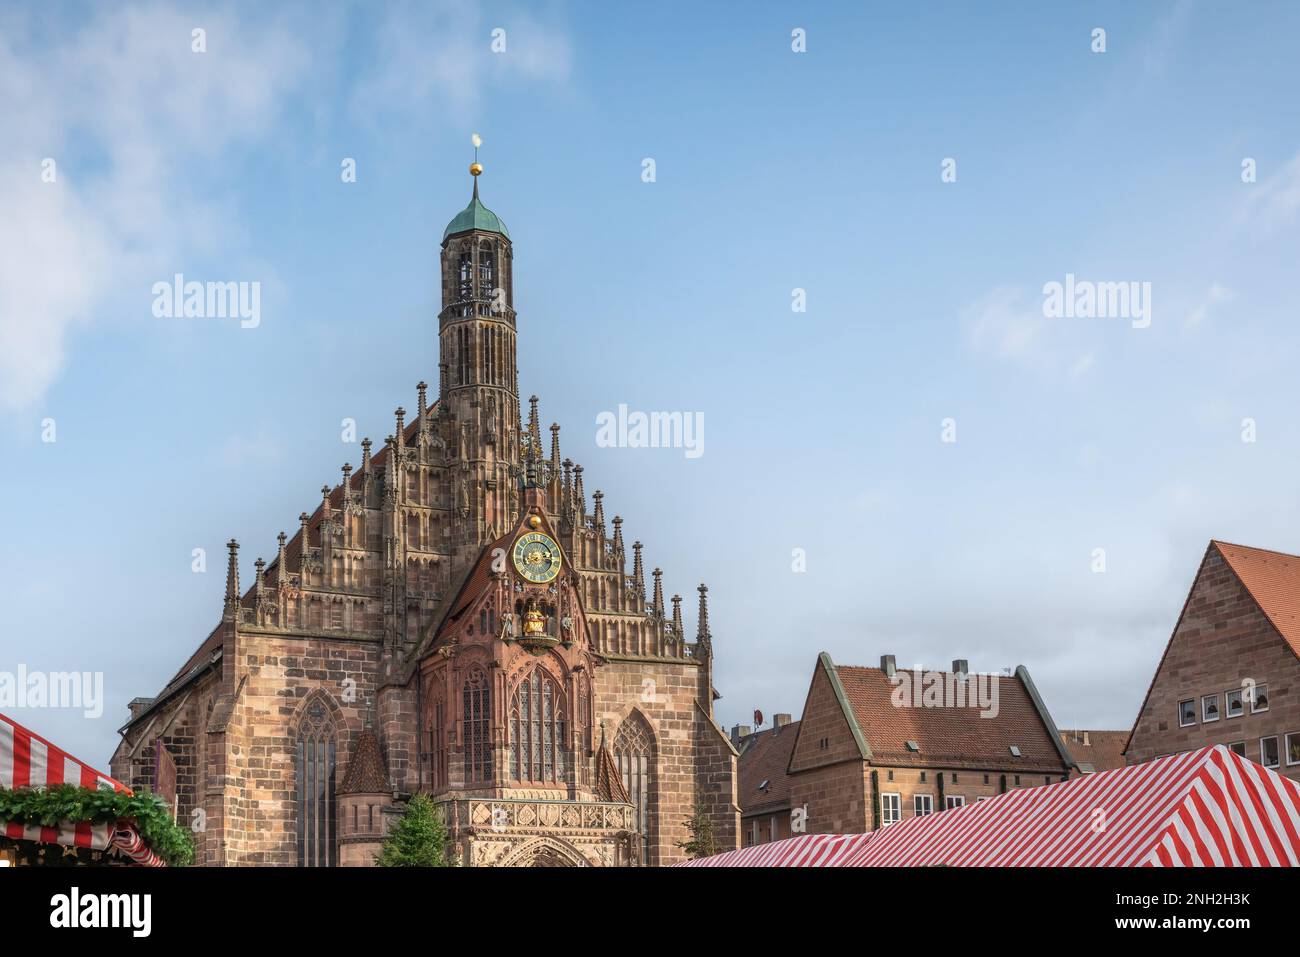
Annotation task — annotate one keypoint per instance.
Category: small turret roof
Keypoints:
(475, 216)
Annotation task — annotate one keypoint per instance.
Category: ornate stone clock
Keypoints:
(537, 557)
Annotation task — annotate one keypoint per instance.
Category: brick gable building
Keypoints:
(867, 754)
(454, 618)
(1230, 669)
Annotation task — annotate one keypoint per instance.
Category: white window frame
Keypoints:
(916, 805)
(1254, 699)
(1181, 722)
(1287, 747)
(1263, 758)
(885, 819)
(1205, 699)
(951, 801)
(1243, 748)
(753, 832)
(1227, 703)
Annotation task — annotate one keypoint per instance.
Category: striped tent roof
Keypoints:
(1203, 808)
(806, 850)
(28, 760)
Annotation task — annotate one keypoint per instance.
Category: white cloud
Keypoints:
(1005, 325)
(440, 55)
(1273, 202)
(120, 102)
(1216, 294)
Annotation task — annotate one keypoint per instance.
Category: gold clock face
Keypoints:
(537, 557)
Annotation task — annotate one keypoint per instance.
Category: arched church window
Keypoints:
(478, 745)
(634, 756)
(486, 271)
(466, 270)
(538, 730)
(317, 826)
(437, 744)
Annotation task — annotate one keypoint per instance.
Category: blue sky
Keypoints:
(775, 171)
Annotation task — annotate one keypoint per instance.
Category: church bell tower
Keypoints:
(479, 378)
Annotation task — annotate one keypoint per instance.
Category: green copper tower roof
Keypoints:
(476, 216)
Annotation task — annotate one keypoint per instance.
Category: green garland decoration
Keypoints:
(66, 802)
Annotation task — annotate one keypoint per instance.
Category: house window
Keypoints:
(771, 828)
(1017, 780)
(1210, 708)
(476, 697)
(922, 804)
(954, 777)
(317, 815)
(1258, 698)
(537, 730)
(1268, 752)
(986, 779)
(954, 800)
(1233, 700)
(1293, 748)
(1187, 713)
(1238, 748)
(891, 775)
(753, 832)
(891, 809)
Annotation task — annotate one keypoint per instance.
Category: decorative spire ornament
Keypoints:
(702, 634)
(658, 593)
(638, 573)
(232, 581)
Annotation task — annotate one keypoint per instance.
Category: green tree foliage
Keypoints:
(418, 839)
(701, 843)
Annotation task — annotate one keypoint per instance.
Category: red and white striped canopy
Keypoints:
(28, 760)
(806, 850)
(1203, 808)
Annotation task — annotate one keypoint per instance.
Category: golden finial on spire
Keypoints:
(475, 168)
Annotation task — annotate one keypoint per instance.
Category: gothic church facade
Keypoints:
(455, 617)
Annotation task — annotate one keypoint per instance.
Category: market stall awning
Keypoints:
(28, 760)
(1204, 808)
(806, 850)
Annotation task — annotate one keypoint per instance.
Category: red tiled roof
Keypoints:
(609, 783)
(765, 758)
(951, 736)
(1103, 752)
(479, 577)
(1273, 580)
(366, 771)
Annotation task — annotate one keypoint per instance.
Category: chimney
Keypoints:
(887, 665)
(137, 705)
(779, 721)
(739, 731)
(1085, 738)
(960, 666)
